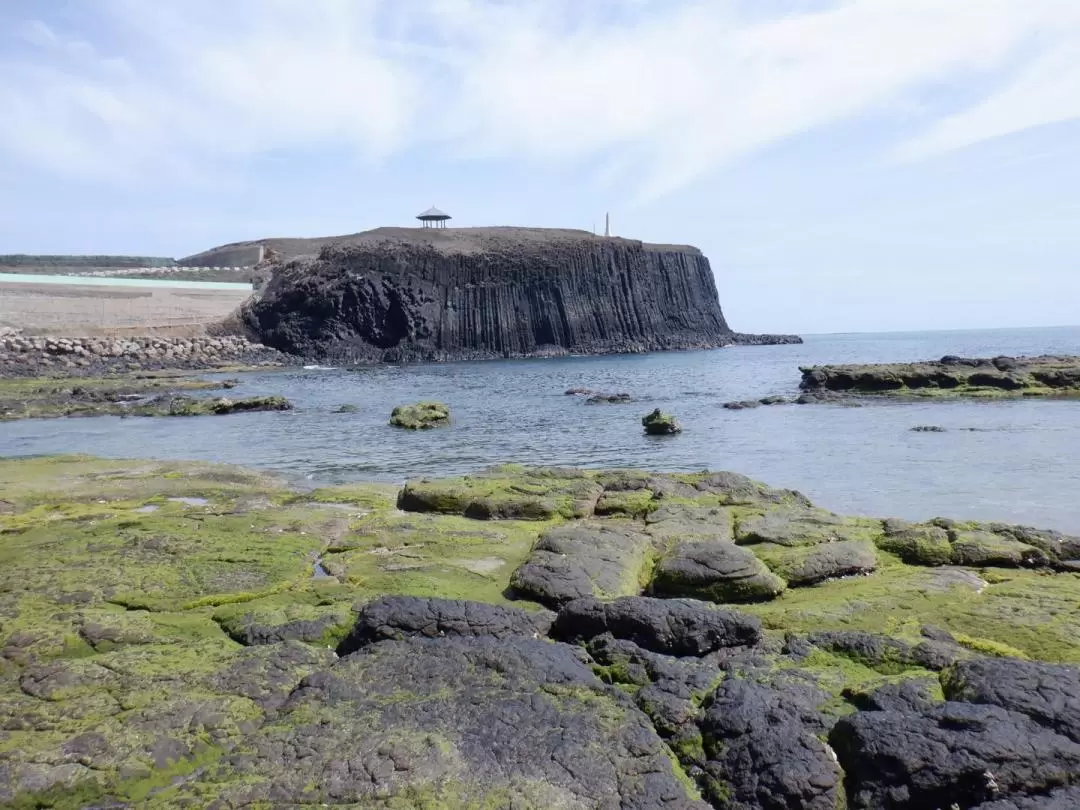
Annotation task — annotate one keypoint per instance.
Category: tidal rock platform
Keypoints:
(182, 635)
(949, 377)
(405, 294)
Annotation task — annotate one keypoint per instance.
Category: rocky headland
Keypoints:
(190, 635)
(404, 294)
(949, 377)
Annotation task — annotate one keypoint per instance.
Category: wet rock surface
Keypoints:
(186, 656)
(421, 416)
(948, 377)
(398, 294)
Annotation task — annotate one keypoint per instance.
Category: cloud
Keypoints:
(661, 92)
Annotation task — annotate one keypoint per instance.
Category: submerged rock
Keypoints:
(422, 416)
(220, 406)
(608, 399)
(659, 423)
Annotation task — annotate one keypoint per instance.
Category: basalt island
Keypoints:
(185, 635)
(401, 294)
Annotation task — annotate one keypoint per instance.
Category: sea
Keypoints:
(1014, 461)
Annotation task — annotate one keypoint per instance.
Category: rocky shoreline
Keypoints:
(45, 355)
(948, 378)
(192, 635)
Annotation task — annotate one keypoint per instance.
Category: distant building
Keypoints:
(433, 218)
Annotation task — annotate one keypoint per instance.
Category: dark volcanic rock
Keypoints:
(954, 753)
(1062, 799)
(888, 654)
(950, 376)
(406, 294)
(717, 572)
(677, 627)
(399, 617)
(763, 751)
(587, 559)
(1048, 693)
(452, 722)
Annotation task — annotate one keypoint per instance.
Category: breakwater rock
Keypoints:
(396, 294)
(35, 355)
(192, 635)
(948, 377)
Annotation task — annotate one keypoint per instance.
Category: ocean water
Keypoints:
(1022, 464)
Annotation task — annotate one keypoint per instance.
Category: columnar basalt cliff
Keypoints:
(396, 294)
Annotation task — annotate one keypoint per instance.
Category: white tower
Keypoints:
(607, 224)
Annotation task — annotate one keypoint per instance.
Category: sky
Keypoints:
(846, 165)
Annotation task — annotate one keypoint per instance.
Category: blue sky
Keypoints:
(847, 165)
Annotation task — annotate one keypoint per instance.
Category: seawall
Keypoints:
(397, 294)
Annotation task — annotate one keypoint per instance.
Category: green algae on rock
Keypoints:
(659, 423)
(421, 416)
(178, 655)
(950, 377)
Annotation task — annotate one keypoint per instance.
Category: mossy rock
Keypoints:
(221, 406)
(809, 565)
(917, 544)
(985, 549)
(659, 423)
(421, 416)
(636, 503)
(503, 494)
(802, 527)
(715, 572)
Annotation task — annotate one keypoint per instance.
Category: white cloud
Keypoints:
(671, 89)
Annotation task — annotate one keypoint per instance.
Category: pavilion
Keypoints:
(433, 218)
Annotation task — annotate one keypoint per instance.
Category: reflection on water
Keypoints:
(1022, 465)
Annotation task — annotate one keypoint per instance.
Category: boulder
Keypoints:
(808, 565)
(1047, 693)
(421, 416)
(400, 617)
(691, 522)
(763, 750)
(452, 722)
(586, 559)
(659, 423)
(715, 572)
(801, 527)
(916, 544)
(886, 654)
(978, 548)
(679, 627)
(951, 754)
(1060, 799)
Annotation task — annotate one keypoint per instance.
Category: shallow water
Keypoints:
(1022, 466)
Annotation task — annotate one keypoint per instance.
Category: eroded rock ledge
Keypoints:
(949, 377)
(187, 635)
